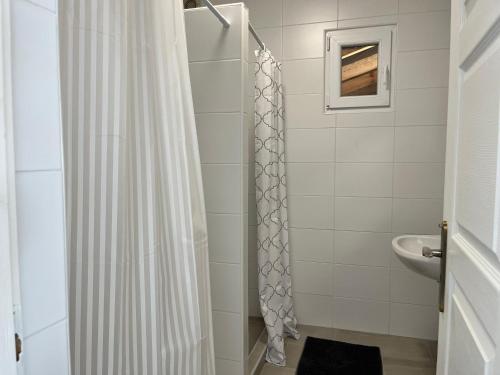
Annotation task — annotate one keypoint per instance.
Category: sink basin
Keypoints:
(408, 248)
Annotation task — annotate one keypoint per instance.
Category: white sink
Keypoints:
(408, 248)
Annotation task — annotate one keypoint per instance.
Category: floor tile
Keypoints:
(400, 355)
(293, 354)
(255, 327)
(269, 369)
(405, 370)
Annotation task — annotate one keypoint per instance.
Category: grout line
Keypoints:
(215, 61)
(218, 113)
(224, 263)
(372, 164)
(226, 311)
(389, 301)
(35, 4)
(51, 325)
(22, 171)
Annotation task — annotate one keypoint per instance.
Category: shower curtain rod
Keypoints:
(256, 36)
(226, 23)
(217, 14)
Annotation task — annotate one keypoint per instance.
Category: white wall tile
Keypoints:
(215, 84)
(303, 11)
(419, 180)
(227, 367)
(363, 8)
(47, 4)
(414, 321)
(310, 145)
(311, 244)
(310, 178)
(40, 221)
(252, 212)
(312, 278)
(363, 248)
(252, 241)
(424, 31)
(303, 76)
(391, 19)
(252, 260)
(361, 282)
(422, 106)
(313, 309)
(250, 129)
(245, 37)
(422, 69)
(395, 261)
(376, 180)
(226, 288)
(408, 6)
(364, 144)
(222, 2)
(315, 212)
(420, 100)
(419, 216)
(363, 214)
(306, 111)
(219, 137)
(222, 188)
(272, 39)
(253, 302)
(215, 42)
(420, 144)
(228, 332)
(408, 286)
(364, 119)
(46, 353)
(265, 13)
(245, 192)
(305, 41)
(35, 76)
(224, 237)
(361, 315)
(247, 138)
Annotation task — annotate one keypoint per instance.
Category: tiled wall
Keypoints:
(39, 186)
(356, 180)
(218, 68)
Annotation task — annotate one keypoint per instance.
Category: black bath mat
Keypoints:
(327, 357)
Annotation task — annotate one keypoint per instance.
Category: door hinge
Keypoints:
(19, 347)
(328, 43)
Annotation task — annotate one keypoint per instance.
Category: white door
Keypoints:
(9, 281)
(469, 333)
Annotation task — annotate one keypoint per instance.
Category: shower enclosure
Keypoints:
(222, 76)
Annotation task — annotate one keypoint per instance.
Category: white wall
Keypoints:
(218, 68)
(39, 186)
(356, 180)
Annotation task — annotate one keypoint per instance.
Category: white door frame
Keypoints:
(9, 273)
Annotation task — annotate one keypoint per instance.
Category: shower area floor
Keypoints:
(400, 355)
(255, 327)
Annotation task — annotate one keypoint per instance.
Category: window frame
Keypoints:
(334, 40)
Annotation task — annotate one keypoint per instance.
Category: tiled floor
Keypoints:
(255, 327)
(400, 355)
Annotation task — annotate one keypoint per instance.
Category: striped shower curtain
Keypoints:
(275, 283)
(139, 299)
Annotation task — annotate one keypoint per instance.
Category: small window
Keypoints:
(358, 68)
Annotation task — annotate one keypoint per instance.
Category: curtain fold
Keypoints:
(274, 279)
(139, 298)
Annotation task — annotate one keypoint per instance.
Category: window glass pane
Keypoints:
(359, 70)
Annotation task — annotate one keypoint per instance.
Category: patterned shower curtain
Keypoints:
(275, 285)
(139, 298)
